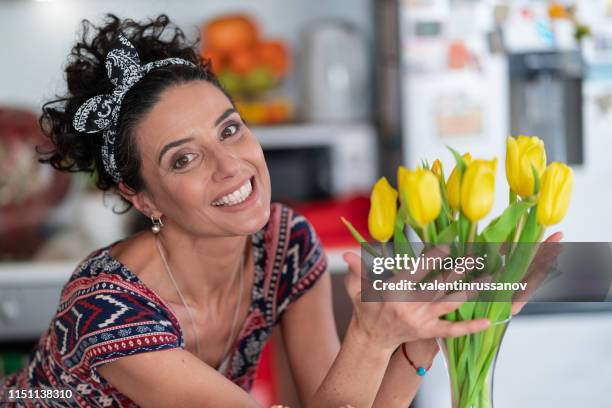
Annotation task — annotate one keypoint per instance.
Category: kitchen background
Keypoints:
(339, 93)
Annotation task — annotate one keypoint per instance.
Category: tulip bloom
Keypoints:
(436, 168)
(401, 177)
(421, 190)
(478, 189)
(522, 153)
(555, 193)
(453, 185)
(383, 210)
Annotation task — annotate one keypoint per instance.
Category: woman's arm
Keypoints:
(173, 378)
(327, 375)
(311, 339)
(401, 381)
(363, 367)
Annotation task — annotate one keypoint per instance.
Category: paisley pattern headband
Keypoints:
(101, 113)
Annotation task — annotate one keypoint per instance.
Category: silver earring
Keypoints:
(157, 225)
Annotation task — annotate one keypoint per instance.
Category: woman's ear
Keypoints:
(140, 200)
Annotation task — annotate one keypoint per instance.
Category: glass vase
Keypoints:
(470, 362)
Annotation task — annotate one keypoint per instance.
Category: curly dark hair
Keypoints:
(86, 76)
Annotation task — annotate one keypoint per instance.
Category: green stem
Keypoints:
(470, 237)
(425, 235)
(517, 232)
(512, 197)
(431, 229)
(452, 368)
(383, 249)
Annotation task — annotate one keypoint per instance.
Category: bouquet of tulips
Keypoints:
(448, 211)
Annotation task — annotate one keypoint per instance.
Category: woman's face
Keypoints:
(199, 160)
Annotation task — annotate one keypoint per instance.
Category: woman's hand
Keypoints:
(538, 270)
(388, 324)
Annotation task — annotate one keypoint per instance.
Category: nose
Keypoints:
(227, 163)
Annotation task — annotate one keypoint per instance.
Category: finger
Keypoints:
(463, 295)
(502, 249)
(445, 328)
(438, 251)
(438, 309)
(352, 280)
(517, 307)
(556, 237)
(452, 275)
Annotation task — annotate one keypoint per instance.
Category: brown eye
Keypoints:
(183, 161)
(230, 131)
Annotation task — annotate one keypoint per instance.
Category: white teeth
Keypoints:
(235, 197)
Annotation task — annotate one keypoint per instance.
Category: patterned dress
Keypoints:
(106, 312)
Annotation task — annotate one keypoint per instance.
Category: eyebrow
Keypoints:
(179, 142)
(224, 115)
(171, 145)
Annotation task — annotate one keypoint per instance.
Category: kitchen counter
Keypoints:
(29, 293)
(22, 274)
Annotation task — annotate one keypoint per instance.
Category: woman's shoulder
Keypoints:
(299, 254)
(103, 275)
(293, 227)
(105, 303)
(111, 259)
(286, 220)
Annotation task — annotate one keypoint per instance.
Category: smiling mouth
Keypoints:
(236, 197)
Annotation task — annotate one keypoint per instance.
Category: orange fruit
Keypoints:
(254, 113)
(228, 33)
(242, 60)
(278, 111)
(274, 55)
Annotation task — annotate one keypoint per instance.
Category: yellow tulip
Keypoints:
(436, 168)
(383, 210)
(401, 177)
(521, 154)
(478, 189)
(420, 188)
(453, 185)
(555, 193)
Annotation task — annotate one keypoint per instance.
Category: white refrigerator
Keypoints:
(444, 80)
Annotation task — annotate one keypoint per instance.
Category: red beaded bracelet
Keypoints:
(419, 370)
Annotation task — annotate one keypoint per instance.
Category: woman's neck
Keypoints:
(203, 267)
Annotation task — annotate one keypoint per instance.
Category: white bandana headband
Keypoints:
(101, 112)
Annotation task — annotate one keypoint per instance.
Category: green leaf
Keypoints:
(464, 228)
(431, 233)
(512, 197)
(444, 218)
(461, 165)
(448, 234)
(466, 310)
(400, 242)
(499, 229)
(532, 230)
(360, 238)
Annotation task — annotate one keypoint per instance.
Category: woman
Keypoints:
(178, 316)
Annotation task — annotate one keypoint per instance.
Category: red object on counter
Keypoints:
(325, 215)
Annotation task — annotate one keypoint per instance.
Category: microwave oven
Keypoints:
(319, 161)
